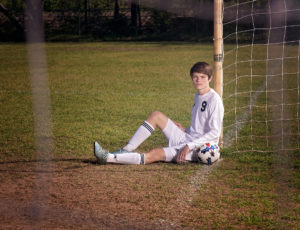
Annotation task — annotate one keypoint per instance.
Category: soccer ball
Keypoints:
(208, 153)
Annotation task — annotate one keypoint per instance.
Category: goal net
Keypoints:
(261, 75)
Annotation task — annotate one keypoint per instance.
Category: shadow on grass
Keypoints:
(59, 165)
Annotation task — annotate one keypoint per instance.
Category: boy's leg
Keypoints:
(128, 158)
(155, 155)
(155, 119)
(167, 154)
(159, 119)
(105, 156)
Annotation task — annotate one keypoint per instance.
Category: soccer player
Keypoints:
(205, 127)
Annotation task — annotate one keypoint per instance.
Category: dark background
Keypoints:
(145, 20)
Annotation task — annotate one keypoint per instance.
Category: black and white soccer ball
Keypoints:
(208, 153)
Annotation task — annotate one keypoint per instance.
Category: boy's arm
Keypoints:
(182, 154)
(179, 126)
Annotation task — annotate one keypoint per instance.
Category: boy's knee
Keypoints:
(156, 117)
(153, 118)
(155, 114)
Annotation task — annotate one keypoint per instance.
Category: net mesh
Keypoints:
(261, 75)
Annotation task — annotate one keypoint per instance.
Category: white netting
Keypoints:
(261, 75)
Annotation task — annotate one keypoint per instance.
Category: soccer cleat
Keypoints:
(120, 151)
(100, 153)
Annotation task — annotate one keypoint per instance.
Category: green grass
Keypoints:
(104, 91)
(99, 91)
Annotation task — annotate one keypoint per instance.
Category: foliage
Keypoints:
(96, 19)
(161, 20)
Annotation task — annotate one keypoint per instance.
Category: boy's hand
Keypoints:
(180, 158)
(179, 126)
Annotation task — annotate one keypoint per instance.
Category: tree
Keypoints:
(11, 18)
(135, 16)
(116, 10)
(13, 5)
(86, 15)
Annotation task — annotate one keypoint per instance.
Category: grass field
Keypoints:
(103, 92)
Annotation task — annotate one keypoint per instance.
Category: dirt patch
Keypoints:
(85, 195)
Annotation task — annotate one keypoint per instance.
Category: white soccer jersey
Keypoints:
(206, 119)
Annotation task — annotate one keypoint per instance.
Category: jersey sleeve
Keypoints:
(214, 125)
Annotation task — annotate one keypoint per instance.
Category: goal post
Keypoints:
(218, 52)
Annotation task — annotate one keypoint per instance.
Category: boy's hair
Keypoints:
(202, 67)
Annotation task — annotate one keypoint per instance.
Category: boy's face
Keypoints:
(201, 82)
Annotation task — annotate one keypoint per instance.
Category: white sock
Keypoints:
(141, 134)
(126, 158)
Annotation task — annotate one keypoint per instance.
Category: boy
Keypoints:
(206, 123)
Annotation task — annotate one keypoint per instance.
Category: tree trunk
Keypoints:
(135, 16)
(13, 5)
(85, 15)
(139, 18)
(134, 13)
(116, 10)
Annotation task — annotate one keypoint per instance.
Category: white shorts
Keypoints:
(177, 141)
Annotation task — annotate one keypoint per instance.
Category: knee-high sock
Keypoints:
(127, 158)
(141, 134)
